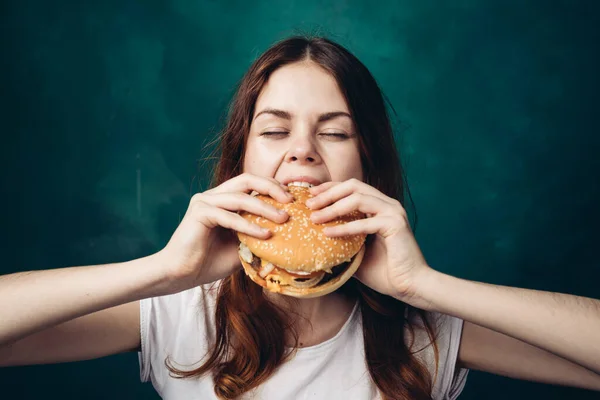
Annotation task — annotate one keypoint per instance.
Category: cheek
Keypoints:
(251, 164)
(258, 160)
(344, 165)
(356, 168)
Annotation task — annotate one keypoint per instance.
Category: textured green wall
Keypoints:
(498, 103)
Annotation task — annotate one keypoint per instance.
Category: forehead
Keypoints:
(302, 88)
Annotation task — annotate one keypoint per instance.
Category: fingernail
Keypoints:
(281, 211)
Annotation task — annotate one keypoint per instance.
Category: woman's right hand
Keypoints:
(204, 247)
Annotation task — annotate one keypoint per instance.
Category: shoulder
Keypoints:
(164, 314)
(448, 380)
(179, 325)
(178, 304)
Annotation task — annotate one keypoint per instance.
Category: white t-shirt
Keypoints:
(182, 326)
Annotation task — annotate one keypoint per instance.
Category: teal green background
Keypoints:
(498, 110)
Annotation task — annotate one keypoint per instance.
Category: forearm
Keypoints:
(35, 300)
(566, 325)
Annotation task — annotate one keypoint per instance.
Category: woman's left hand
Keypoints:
(393, 262)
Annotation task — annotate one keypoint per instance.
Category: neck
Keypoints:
(314, 320)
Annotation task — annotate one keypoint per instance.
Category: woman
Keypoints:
(306, 110)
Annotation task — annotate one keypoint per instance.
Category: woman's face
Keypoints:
(302, 130)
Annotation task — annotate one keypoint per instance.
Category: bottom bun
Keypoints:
(306, 293)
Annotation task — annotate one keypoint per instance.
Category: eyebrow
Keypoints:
(286, 115)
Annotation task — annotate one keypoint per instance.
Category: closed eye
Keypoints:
(274, 134)
(335, 135)
(329, 135)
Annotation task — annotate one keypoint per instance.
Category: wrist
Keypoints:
(162, 274)
(422, 288)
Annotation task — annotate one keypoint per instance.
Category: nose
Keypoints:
(302, 151)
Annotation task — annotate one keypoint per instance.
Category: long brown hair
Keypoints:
(249, 345)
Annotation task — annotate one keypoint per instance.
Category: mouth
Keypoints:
(303, 181)
(301, 184)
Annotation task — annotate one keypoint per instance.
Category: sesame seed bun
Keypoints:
(299, 245)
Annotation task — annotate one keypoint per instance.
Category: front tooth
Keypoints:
(303, 184)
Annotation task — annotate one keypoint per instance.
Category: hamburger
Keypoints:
(298, 259)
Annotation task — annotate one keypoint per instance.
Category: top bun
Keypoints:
(299, 244)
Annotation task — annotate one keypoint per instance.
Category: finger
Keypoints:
(263, 185)
(246, 202)
(344, 189)
(316, 190)
(214, 216)
(366, 226)
(355, 202)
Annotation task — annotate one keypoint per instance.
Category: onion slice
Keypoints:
(297, 272)
(307, 283)
(265, 270)
(245, 253)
